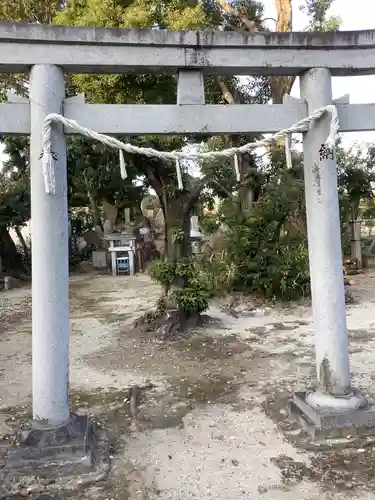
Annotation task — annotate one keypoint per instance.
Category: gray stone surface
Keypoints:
(185, 119)
(103, 36)
(95, 50)
(62, 450)
(330, 423)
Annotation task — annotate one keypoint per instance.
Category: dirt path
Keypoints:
(210, 428)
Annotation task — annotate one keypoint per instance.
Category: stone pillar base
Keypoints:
(352, 415)
(322, 402)
(52, 451)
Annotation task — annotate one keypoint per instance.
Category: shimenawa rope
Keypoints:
(48, 157)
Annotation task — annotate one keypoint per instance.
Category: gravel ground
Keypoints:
(214, 425)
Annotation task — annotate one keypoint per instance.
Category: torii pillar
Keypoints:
(334, 403)
(50, 255)
(55, 437)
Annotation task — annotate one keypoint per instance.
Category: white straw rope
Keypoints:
(176, 156)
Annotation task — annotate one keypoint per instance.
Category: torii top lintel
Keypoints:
(109, 50)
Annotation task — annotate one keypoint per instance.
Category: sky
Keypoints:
(355, 16)
(358, 15)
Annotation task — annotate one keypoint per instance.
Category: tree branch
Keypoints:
(279, 85)
(269, 19)
(151, 174)
(195, 192)
(197, 189)
(227, 95)
(228, 9)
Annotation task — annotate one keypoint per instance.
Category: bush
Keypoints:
(162, 271)
(218, 272)
(275, 269)
(191, 300)
(283, 275)
(261, 255)
(208, 223)
(186, 285)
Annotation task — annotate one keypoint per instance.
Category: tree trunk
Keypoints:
(97, 221)
(170, 319)
(281, 85)
(177, 227)
(25, 248)
(284, 15)
(10, 258)
(246, 194)
(355, 208)
(177, 230)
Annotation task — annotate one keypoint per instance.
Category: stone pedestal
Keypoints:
(353, 415)
(59, 451)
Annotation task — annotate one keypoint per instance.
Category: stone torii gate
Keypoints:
(49, 51)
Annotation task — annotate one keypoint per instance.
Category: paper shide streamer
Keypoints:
(49, 159)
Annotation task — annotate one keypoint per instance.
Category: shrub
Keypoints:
(162, 271)
(208, 223)
(186, 285)
(261, 255)
(191, 300)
